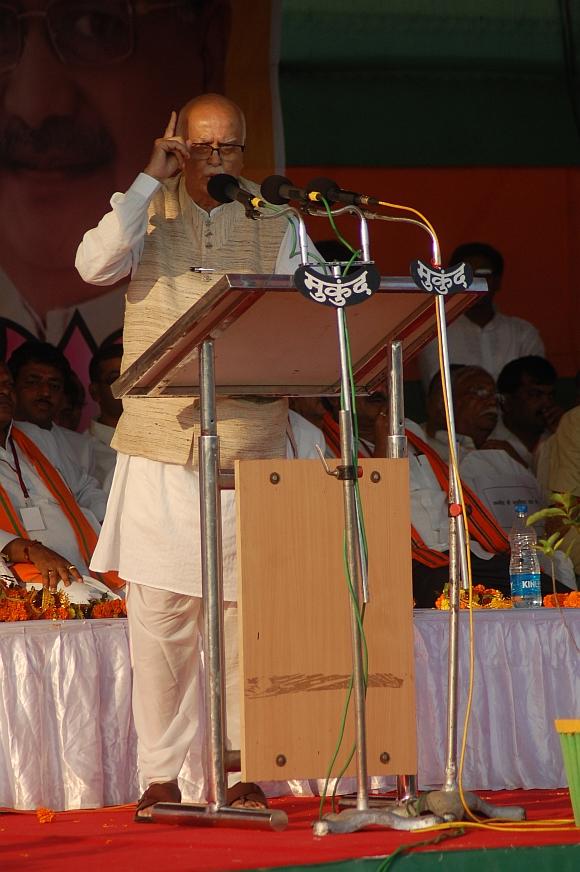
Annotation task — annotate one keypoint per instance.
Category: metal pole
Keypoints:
(212, 581)
(396, 440)
(353, 556)
(216, 812)
(456, 540)
(397, 448)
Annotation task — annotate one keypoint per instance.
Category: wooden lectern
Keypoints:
(256, 335)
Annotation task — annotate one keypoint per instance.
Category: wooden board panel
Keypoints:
(295, 644)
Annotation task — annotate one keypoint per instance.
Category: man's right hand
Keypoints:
(51, 565)
(169, 154)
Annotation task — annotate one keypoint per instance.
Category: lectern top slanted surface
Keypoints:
(277, 343)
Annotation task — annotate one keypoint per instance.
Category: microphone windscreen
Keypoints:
(220, 187)
(270, 190)
(324, 186)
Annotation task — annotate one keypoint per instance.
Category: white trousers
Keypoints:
(166, 637)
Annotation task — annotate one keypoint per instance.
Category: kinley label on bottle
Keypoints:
(525, 583)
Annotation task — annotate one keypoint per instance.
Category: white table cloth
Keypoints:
(67, 738)
(527, 672)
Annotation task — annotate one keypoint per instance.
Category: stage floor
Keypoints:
(107, 839)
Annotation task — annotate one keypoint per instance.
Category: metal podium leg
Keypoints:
(397, 447)
(215, 812)
(212, 583)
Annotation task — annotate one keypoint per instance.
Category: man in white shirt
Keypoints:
(163, 225)
(483, 336)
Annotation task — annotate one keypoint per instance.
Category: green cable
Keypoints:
(360, 621)
(355, 251)
(358, 612)
(337, 232)
(360, 616)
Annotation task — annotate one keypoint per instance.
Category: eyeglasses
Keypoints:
(84, 32)
(482, 393)
(205, 150)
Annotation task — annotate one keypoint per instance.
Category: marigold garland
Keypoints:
(482, 598)
(19, 604)
(563, 600)
(490, 598)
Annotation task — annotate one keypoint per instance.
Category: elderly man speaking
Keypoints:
(164, 225)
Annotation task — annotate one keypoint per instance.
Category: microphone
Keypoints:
(225, 189)
(279, 190)
(330, 190)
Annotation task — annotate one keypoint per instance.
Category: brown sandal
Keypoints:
(246, 795)
(166, 791)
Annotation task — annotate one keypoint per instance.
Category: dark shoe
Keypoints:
(167, 791)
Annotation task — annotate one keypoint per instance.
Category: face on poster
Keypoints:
(85, 88)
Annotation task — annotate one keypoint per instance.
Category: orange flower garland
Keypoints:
(482, 598)
(564, 600)
(489, 598)
(19, 604)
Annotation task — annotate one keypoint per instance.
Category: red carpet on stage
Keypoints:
(107, 839)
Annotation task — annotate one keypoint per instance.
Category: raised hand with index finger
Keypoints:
(169, 154)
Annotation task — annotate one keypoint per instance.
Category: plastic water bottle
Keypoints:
(524, 564)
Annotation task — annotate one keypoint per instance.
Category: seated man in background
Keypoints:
(483, 336)
(476, 413)
(489, 469)
(104, 369)
(475, 407)
(527, 389)
(40, 372)
(44, 531)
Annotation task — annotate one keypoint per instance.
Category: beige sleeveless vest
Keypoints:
(181, 235)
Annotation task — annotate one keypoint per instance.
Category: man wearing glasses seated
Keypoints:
(175, 240)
